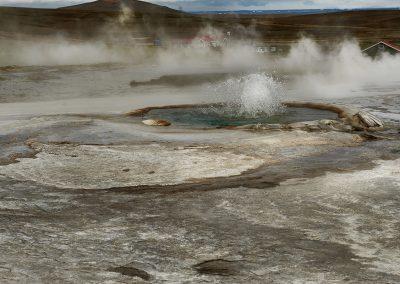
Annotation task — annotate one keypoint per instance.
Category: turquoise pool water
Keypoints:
(217, 117)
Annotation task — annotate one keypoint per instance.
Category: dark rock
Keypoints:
(131, 271)
(395, 150)
(126, 170)
(219, 267)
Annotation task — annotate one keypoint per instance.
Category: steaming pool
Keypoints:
(223, 116)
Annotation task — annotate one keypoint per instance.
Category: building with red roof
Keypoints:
(382, 47)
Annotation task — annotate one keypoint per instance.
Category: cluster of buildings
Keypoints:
(223, 40)
(270, 49)
(201, 41)
(219, 41)
(375, 50)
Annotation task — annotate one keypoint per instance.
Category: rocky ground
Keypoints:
(91, 199)
(89, 195)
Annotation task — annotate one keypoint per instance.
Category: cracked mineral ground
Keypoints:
(90, 195)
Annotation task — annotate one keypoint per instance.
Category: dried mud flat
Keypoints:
(98, 200)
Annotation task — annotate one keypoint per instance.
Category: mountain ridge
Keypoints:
(118, 5)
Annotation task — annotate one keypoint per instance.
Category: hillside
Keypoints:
(116, 5)
(98, 18)
(90, 20)
(366, 26)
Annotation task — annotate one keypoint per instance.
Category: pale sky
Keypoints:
(193, 5)
(276, 4)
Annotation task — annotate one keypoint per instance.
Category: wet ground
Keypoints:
(95, 196)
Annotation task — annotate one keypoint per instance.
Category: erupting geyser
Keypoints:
(250, 99)
(252, 95)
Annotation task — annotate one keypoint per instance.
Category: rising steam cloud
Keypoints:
(310, 71)
(63, 52)
(340, 72)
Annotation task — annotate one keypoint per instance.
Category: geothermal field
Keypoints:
(139, 144)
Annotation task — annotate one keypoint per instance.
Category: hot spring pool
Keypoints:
(216, 117)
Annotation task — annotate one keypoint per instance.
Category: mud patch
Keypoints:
(220, 267)
(183, 80)
(131, 271)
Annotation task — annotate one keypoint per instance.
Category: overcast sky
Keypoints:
(193, 5)
(275, 4)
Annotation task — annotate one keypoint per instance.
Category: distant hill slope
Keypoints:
(367, 26)
(98, 19)
(116, 6)
(101, 18)
(359, 18)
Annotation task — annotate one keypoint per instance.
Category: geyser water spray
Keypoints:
(251, 95)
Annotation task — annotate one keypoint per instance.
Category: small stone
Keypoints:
(151, 172)
(156, 122)
(327, 122)
(126, 170)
